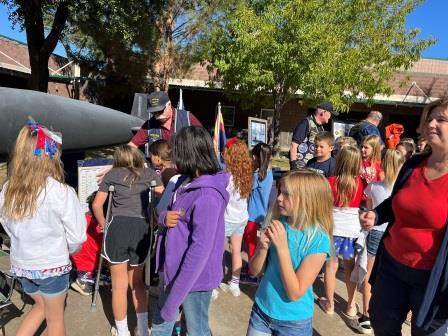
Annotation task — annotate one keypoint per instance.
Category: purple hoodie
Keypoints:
(194, 248)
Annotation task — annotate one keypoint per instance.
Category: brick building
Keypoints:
(426, 81)
(15, 70)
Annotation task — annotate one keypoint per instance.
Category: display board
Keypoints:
(342, 128)
(258, 131)
(87, 178)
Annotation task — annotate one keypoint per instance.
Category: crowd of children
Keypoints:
(313, 222)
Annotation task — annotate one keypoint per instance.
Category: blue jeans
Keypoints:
(262, 325)
(195, 308)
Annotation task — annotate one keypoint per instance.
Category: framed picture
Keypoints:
(228, 115)
(257, 131)
(342, 128)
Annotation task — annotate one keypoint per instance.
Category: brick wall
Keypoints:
(15, 65)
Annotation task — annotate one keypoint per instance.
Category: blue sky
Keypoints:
(430, 17)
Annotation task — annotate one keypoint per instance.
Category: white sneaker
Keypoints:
(230, 288)
(114, 332)
(215, 294)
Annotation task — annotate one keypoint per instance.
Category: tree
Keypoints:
(109, 38)
(320, 49)
(29, 14)
(112, 41)
(177, 25)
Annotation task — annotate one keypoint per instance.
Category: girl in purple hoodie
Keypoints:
(194, 243)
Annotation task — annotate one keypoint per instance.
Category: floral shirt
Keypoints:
(41, 274)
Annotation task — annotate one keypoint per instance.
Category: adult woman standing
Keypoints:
(411, 271)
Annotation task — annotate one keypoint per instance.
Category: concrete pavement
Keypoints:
(228, 315)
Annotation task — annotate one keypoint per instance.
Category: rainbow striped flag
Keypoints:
(219, 134)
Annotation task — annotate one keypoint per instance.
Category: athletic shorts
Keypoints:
(235, 229)
(127, 240)
(48, 287)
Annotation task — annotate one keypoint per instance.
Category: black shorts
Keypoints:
(127, 240)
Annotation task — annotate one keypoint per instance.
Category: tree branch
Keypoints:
(60, 18)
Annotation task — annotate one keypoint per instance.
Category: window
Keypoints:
(266, 113)
(228, 115)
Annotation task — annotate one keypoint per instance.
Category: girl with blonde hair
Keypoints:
(239, 164)
(347, 189)
(126, 239)
(291, 251)
(371, 159)
(44, 219)
(377, 192)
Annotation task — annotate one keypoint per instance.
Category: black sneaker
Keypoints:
(82, 287)
(249, 280)
(364, 326)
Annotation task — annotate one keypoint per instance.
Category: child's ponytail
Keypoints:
(348, 163)
(262, 154)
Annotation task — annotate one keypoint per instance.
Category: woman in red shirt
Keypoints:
(417, 212)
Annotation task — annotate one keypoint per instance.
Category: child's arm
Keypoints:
(258, 261)
(296, 283)
(97, 208)
(73, 220)
(159, 190)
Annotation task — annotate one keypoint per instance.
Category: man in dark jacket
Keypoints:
(369, 126)
(302, 145)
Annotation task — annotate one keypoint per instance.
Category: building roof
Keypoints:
(14, 58)
(425, 81)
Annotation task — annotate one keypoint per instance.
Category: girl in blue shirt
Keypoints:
(259, 198)
(291, 251)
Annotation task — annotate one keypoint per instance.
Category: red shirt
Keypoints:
(356, 201)
(87, 258)
(421, 210)
(369, 172)
(141, 137)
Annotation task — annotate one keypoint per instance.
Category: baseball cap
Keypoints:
(327, 106)
(157, 101)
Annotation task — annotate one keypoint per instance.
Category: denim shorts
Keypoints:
(261, 324)
(49, 287)
(235, 229)
(372, 242)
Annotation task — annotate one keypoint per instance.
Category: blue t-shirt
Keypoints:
(271, 295)
(259, 197)
(325, 167)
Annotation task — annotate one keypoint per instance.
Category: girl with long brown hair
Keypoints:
(262, 180)
(239, 165)
(44, 219)
(126, 239)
